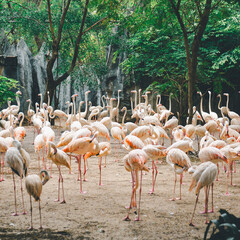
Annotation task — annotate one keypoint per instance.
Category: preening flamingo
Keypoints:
(180, 163)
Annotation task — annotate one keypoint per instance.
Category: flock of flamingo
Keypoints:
(218, 142)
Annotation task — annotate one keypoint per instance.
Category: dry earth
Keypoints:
(98, 214)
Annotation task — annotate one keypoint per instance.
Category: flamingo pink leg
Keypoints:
(15, 198)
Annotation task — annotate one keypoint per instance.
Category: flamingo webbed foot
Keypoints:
(191, 224)
(63, 201)
(14, 214)
(127, 218)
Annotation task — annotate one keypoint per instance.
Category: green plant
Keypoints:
(7, 89)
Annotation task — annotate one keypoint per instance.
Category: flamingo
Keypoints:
(136, 162)
(104, 150)
(131, 142)
(34, 185)
(231, 114)
(59, 158)
(18, 162)
(180, 163)
(204, 176)
(30, 112)
(115, 111)
(222, 109)
(119, 135)
(82, 146)
(206, 116)
(154, 153)
(3, 150)
(212, 154)
(84, 114)
(213, 115)
(20, 131)
(39, 143)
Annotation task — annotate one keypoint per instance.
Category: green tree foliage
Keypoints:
(7, 88)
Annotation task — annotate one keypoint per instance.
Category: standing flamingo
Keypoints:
(180, 163)
(3, 150)
(154, 153)
(81, 146)
(59, 158)
(15, 160)
(203, 176)
(119, 135)
(34, 185)
(104, 150)
(136, 162)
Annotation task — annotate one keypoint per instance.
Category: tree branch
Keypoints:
(50, 20)
(61, 23)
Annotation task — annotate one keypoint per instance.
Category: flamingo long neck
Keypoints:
(86, 102)
(131, 104)
(18, 101)
(51, 114)
(220, 98)
(201, 101)
(29, 105)
(227, 101)
(48, 103)
(124, 116)
(139, 96)
(68, 108)
(170, 103)
(111, 108)
(209, 102)
(160, 98)
(103, 103)
(36, 106)
(74, 107)
(157, 100)
(22, 115)
(135, 99)
(118, 100)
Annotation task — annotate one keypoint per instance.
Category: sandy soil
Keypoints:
(99, 213)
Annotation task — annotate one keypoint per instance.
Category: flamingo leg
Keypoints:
(1, 167)
(131, 201)
(70, 163)
(181, 177)
(40, 215)
(206, 207)
(59, 179)
(80, 174)
(31, 226)
(140, 192)
(100, 170)
(63, 201)
(173, 199)
(15, 197)
(217, 179)
(211, 211)
(85, 169)
(234, 164)
(24, 212)
(191, 223)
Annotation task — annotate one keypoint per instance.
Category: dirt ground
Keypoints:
(99, 213)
